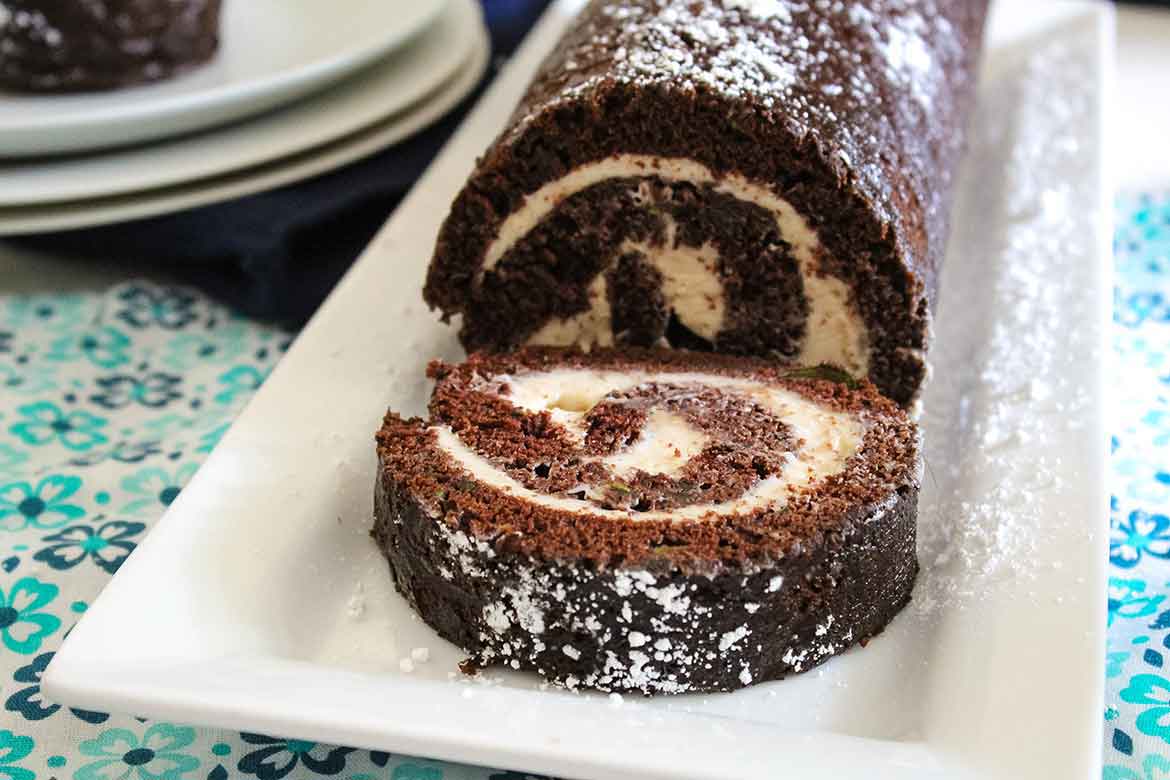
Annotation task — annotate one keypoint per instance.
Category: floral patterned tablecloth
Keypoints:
(109, 402)
(1137, 690)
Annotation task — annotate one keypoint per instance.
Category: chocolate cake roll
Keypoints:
(75, 45)
(760, 177)
(653, 521)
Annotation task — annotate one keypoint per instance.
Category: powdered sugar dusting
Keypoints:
(355, 607)
(630, 629)
(31, 24)
(807, 65)
(908, 55)
(731, 637)
(693, 45)
(1001, 389)
(762, 9)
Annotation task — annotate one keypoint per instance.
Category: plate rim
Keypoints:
(232, 100)
(302, 165)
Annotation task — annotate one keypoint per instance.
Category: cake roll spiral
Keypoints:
(650, 520)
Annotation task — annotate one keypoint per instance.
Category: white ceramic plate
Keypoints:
(271, 52)
(385, 88)
(269, 608)
(120, 208)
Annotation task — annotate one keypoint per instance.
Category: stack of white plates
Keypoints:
(295, 90)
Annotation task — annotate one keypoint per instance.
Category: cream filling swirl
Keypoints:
(834, 331)
(827, 438)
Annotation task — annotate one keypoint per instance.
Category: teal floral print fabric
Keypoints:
(1137, 671)
(44, 505)
(109, 403)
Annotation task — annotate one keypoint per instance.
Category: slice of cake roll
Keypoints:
(758, 177)
(650, 520)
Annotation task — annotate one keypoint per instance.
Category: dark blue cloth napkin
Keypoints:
(276, 255)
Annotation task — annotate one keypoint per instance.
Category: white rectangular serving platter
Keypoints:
(260, 603)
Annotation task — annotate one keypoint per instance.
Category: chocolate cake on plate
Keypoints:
(650, 520)
(76, 45)
(760, 177)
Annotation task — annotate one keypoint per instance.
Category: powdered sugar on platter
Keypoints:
(998, 397)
